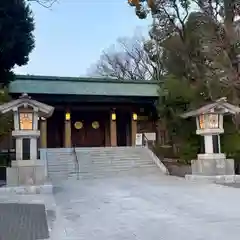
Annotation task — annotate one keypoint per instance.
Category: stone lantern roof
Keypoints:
(219, 106)
(25, 101)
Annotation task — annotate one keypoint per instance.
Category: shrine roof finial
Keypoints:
(25, 95)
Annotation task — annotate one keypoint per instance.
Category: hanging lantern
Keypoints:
(135, 117)
(114, 116)
(67, 116)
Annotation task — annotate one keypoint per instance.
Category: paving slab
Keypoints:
(21, 221)
(23, 217)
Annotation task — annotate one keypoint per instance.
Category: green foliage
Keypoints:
(16, 42)
(177, 96)
(6, 120)
(189, 149)
(198, 54)
(198, 49)
(230, 140)
(16, 38)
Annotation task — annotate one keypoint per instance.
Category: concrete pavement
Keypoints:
(148, 207)
(143, 207)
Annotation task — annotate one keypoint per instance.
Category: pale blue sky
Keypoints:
(71, 36)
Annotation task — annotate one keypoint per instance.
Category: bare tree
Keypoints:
(44, 3)
(128, 60)
(202, 36)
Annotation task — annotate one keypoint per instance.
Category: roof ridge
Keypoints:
(81, 79)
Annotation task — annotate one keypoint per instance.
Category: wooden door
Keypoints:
(78, 135)
(91, 133)
(94, 134)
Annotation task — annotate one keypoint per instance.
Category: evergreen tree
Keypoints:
(16, 42)
(16, 37)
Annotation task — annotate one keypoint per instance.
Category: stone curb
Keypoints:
(214, 179)
(41, 189)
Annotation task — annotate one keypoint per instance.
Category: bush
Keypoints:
(164, 151)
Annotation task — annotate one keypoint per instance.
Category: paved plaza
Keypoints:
(147, 207)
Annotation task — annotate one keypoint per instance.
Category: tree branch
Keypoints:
(44, 3)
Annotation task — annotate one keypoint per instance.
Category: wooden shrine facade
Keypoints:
(91, 112)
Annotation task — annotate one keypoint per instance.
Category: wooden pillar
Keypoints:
(43, 133)
(67, 138)
(133, 129)
(113, 129)
(107, 134)
(128, 133)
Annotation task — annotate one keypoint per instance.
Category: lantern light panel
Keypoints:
(135, 116)
(113, 116)
(68, 116)
(209, 121)
(26, 120)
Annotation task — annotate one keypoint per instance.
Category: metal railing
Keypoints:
(145, 140)
(147, 143)
(76, 162)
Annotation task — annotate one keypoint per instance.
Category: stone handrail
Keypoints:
(155, 159)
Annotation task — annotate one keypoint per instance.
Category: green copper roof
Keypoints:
(82, 86)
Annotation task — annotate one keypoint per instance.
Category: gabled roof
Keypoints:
(220, 105)
(26, 101)
(82, 86)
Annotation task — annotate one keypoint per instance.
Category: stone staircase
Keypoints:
(63, 163)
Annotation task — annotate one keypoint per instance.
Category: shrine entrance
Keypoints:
(88, 129)
(123, 128)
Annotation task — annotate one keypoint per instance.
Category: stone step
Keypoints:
(115, 158)
(98, 149)
(101, 173)
(99, 162)
(110, 168)
(115, 166)
(60, 158)
(114, 173)
(95, 161)
(99, 166)
(109, 161)
(102, 160)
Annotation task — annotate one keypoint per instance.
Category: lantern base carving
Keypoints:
(26, 173)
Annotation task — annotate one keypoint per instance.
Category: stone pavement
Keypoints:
(147, 207)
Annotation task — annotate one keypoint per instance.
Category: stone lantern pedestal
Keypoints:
(30, 171)
(212, 165)
(26, 169)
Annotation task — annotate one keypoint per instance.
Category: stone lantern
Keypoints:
(26, 112)
(210, 124)
(212, 164)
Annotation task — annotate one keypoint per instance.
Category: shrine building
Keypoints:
(91, 112)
